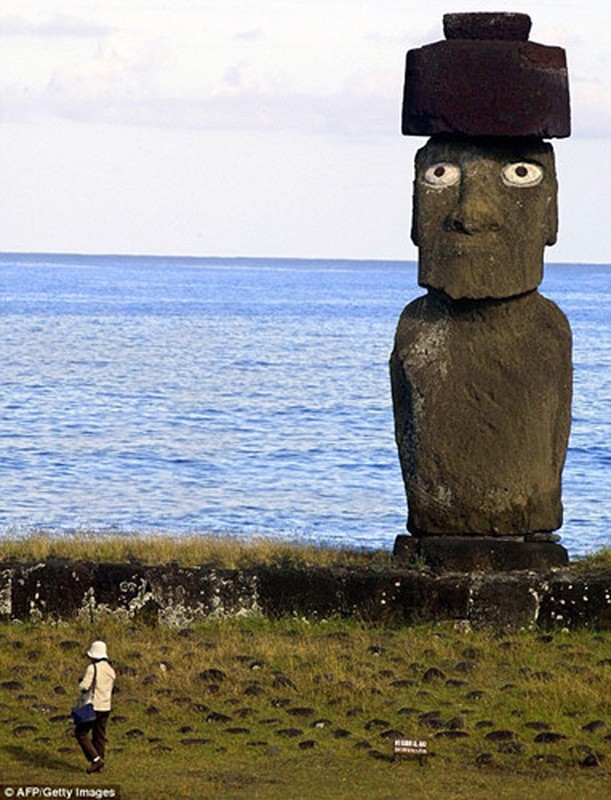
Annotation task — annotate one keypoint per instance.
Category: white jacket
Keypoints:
(104, 682)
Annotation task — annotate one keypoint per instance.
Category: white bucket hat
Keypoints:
(97, 650)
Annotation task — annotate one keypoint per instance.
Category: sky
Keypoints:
(265, 128)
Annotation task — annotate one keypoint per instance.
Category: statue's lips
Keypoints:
(484, 247)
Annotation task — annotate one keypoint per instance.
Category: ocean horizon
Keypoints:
(242, 396)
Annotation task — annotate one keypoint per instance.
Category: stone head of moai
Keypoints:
(481, 367)
(485, 193)
(482, 216)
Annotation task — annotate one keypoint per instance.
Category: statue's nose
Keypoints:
(475, 212)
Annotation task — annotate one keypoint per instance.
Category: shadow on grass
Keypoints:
(38, 758)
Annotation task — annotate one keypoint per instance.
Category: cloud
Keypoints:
(125, 68)
(124, 86)
(53, 25)
(138, 79)
(346, 113)
(253, 35)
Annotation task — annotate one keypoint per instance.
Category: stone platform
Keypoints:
(479, 553)
(58, 590)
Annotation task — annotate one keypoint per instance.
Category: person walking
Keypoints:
(96, 687)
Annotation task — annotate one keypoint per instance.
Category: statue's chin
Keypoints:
(478, 275)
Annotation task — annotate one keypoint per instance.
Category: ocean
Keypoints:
(241, 396)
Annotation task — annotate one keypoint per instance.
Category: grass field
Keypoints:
(220, 551)
(256, 708)
(157, 549)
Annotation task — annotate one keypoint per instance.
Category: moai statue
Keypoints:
(481, 366)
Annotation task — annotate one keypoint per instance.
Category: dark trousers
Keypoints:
(96, 746)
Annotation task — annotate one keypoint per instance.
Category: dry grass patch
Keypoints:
(599, 561)
(231, 552)
(193, 550)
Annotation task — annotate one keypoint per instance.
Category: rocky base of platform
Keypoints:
(55, 590)
(480, 553)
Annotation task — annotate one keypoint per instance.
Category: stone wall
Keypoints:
(58, 590)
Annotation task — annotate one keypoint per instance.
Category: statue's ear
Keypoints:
(551, 215)
(551, 218)
(414, 232)
(418, 166)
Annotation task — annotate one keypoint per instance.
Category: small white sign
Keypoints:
(410, 747)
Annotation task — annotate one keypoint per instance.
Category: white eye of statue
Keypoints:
(521, 173)
(442, 174)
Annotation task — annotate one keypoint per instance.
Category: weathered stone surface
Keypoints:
(50, 588)
(480, 224)
(367, 594)
(314, 593)
(505, 601)
(118, 586)
(491, 87)
(481, 395)
(518, 599)
(445, 598)
(576, 601)
(180, 592)
(479, 554)
(376, 595)
(168, 594)
(487, 25)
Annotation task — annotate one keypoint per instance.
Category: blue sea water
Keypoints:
(242, 396)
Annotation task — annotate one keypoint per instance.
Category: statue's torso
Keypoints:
(482, 394)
